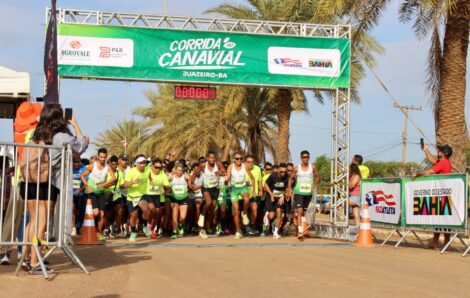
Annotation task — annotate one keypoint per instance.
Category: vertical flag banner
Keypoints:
(384, 199)
(435, 201)
(50, 59)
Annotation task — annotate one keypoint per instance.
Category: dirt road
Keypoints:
(315, 268)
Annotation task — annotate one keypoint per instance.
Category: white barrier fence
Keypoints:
(36, 203)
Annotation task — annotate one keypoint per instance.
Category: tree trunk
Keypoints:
(450, 122)
(284, 110)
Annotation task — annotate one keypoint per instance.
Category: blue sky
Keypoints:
(375, 125)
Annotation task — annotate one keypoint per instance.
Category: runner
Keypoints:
(256, 194)
(121, 212)
(211, 171)
(307, 180)
(96, 187)
(196, 199)
(113, 198)
(157, 187)
(136, 182)
(275, 187)
(220, 214)
(239, 190)
(79, 200)
(268, 167)
(180, 183)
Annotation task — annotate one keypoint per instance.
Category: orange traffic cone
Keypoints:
(364, 238)
(88, 227)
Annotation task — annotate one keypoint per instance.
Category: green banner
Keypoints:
(164, 55)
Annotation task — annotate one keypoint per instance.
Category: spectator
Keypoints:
(441, 165)
(365, 172)
(355, 190)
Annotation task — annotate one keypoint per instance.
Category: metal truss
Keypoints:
(92, 17)
(337, 227)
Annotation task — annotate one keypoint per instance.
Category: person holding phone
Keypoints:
(442, 165)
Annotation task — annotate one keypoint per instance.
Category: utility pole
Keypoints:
(404, 134)
(165, 8)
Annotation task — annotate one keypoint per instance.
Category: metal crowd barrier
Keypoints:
(15, 208)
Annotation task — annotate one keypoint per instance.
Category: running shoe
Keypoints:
(266, 220)
(147, 232)
(253, 231)
(203, 234)
(300, 236)
(227, 232)
(5, 260)
(133, 237)
(276, 236)
(245, 219)
(200, 221)
(25, 266)
(174, 235)
(181, 231)
(154, 235)
(74, 232)
(218, 230)
(238, 235)
(100, 237)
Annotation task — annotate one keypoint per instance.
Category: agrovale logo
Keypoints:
(75, 51)
(384, 203)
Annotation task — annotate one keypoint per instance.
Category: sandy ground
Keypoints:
(193, 267)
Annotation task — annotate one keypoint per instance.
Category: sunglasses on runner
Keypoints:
(267, 169)
(282, 172)
(158, 168)
(238, 158)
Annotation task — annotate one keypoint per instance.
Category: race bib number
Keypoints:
(179, 189)
(239, 182)
(155, 190)
(76, 184)
(198, 193)
(305, 187)
(135, 201)
(212, 182)
(278, 193)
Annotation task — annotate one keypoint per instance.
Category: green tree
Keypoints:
(191, 128)
(114, 139)
(323, 164)
(390, 169)
(319, 11)
(447, 21)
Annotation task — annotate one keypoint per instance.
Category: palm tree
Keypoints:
(191, 128)
(320, 11)
(447, 66)
(126, 136)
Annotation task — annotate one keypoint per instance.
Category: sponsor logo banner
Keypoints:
(203, 57)
(383, 199)
(437, 201)
(93, 51)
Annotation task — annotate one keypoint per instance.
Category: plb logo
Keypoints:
(384, 203)
(75, 44)
(105, 52)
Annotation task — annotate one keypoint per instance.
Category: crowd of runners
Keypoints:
(173, 198)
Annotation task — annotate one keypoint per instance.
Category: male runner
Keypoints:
(95, 186)
(113, 197)
(254, 195)
(211, 171)
(275, 187)
(307, 177)
(236, 174)
(136, 182)
(158, 186)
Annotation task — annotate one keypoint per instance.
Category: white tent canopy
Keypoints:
(14, 89)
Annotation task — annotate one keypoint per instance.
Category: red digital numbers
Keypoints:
(189, 92)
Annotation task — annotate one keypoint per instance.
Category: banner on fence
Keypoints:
(437, 201)
(191, 56)
(383, 196)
